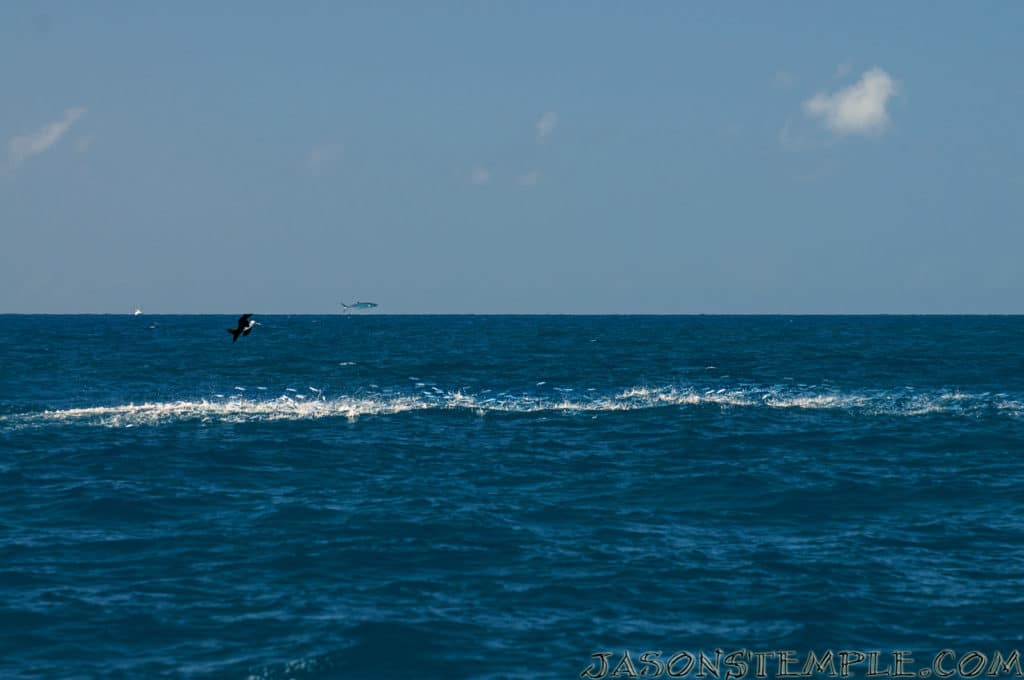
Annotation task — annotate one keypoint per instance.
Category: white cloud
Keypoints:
(546, 125)
(859, 108)
(480, 175)
(23, 147)
(530, 179)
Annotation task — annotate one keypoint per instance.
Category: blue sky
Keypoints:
(512, 157)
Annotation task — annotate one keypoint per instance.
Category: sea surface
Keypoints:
(374, 496)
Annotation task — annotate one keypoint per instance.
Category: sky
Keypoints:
(512, 157)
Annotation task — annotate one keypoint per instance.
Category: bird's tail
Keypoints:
(234, 333)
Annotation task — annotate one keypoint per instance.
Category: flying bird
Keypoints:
(243, 327)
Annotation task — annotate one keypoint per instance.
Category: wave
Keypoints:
(293, 406)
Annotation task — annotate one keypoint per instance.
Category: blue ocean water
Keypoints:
(487, 497)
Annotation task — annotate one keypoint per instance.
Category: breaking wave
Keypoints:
(293, 406)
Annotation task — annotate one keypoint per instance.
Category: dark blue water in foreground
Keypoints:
(486, 497)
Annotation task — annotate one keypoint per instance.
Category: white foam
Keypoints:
(295, 406)
(819, 401)
(231, 410)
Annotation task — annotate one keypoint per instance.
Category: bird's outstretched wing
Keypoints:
(243, 321)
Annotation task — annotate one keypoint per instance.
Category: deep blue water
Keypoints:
(484, 497)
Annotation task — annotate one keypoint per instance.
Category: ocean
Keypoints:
(375, 496)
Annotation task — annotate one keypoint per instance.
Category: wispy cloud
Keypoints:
(844, 69)
(799, 135)
(24, 147)
(480, 175)
(857, 109)
(546, 125)
(793, 138)
(785, 80)
(83, 143)
(318, 156)
(530, 179)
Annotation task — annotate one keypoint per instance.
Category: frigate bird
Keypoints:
(243, 327)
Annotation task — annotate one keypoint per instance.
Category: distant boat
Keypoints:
(356, 306)
(137, 312)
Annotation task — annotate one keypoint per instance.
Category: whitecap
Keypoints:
(867, 403)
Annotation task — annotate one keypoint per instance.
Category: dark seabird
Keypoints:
(243, 327)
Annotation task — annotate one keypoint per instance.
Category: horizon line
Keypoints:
(525, 314)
